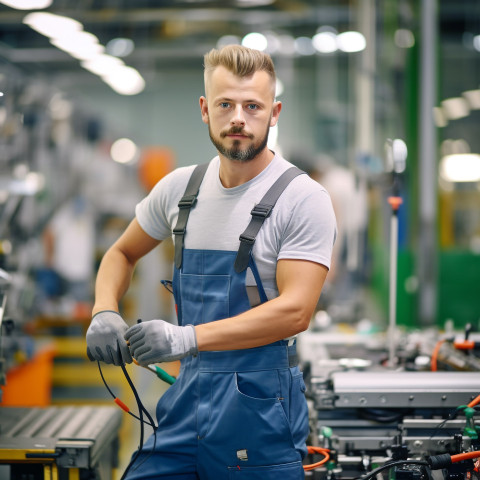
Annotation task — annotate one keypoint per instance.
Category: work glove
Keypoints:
(105, 340)
(158, 341)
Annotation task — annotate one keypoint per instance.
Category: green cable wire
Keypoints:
(163, 375)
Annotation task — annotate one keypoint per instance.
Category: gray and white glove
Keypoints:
(158, 341)
(105, 340)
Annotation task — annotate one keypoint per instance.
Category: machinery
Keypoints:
(65, 443)
(412, 422)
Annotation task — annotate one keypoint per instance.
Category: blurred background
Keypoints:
(99, 100)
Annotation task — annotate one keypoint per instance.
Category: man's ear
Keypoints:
(277, 107)
(204, 109)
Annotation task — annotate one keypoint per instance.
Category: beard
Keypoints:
(235, 153)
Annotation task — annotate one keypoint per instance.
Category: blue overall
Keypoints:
(230, 414)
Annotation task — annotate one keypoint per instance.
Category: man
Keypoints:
(237, 407)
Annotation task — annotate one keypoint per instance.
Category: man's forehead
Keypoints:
(223, 79)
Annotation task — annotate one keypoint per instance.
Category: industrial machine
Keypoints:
(64, 443)
(405, 421)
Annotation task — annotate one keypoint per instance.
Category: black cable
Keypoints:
(141, 410)
(152, 424)
(389, 465)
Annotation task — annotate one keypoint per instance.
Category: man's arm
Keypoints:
(118, 263)
(299, 283)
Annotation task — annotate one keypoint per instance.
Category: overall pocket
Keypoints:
(204, 298)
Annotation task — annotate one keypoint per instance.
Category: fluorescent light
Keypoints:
(255, 40)
(473, 98)
(27, 4)
(439, 117)
(351, 42)
(476, 43)
(325, 42)
(304, 46)
(102, 64)
(460, 167)
(399, 153)
(455, 108)
(120, 47)
(50, 25)
(123, 150)
(125, 80)
(81, 45)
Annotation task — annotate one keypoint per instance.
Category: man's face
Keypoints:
(239, 113)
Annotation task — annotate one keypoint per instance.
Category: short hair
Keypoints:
(240, 60)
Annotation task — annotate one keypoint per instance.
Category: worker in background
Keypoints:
(69, 243)
(238, 403)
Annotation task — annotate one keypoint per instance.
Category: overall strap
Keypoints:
(259, 213)
(185, 204)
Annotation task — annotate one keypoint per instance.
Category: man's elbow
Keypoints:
(301, 318)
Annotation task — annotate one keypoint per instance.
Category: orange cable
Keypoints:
(323, 451)
(465, 456)
(474, 402)
(433, 361)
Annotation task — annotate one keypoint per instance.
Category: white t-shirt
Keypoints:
(73, 228)
(301, 226)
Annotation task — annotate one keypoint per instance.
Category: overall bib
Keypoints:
(230, 414)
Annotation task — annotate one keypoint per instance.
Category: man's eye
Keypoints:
(224, 104)
(252, 106)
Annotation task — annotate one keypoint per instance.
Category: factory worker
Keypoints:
(246, 281)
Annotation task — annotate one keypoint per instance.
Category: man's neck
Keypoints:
(235, 173)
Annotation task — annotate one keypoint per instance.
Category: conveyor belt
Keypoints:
(74, 438)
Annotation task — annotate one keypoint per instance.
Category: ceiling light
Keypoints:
(27, 4)
(399, 153)
(123, 150)
(274, 44)
(351, 42)
(460, 167)
(81, 45)
(102, 64)
(439, 117)
(120, 47)
(53, 26)
(473, 98)
(476, 43)
(255, 40)
(455, 108)
(125, 80)
(304, 46)
(287, 45)
(325, 42)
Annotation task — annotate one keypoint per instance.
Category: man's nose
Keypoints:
(238, 117)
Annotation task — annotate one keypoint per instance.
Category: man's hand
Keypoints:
(105, 340)
(159, 341)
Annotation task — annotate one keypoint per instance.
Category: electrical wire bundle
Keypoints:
(141, 411)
